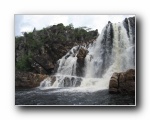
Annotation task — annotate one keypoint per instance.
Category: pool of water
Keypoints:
(61, 96)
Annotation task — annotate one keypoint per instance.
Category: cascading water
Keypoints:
(113, 51)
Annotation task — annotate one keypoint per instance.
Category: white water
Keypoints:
(67, 64)
(106, 56)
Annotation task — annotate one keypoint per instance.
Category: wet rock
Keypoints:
(127, 82)
(132, 24)
(78, 82)
(113, 85)
(72, 82)
(48, 81)
(53, 79)
(80, 61)
(67, 82)
(123, 83)
(82, 54)
(130, 75)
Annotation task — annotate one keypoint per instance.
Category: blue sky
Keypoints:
(26, 23)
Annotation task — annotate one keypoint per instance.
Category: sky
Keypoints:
(26, 23)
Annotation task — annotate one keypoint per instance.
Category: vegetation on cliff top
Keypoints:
(52, 41)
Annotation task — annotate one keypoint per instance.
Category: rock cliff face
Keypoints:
(28, 79)
(123, 82)
(37, 52)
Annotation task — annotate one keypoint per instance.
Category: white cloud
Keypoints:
(26, 23)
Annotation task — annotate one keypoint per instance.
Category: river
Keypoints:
(61, 96)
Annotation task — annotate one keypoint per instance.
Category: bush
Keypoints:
(31, 43)
(23, 63)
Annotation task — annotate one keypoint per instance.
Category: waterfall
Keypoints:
(113, 51)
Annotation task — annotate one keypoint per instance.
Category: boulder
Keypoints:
(113, 85)
(123, 83)
(130, 75)
(127, 82)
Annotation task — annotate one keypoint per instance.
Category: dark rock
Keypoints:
(127, 82)
(109, 22)
(28, 79)
(132, 24)
(53, 79)
(80, 61)
(78, 82)
(123, 82)
(113, 85)
(82, 54)
(67, 82)
(106, 47)
(42, 64)
(72, 82)
(130, 75)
